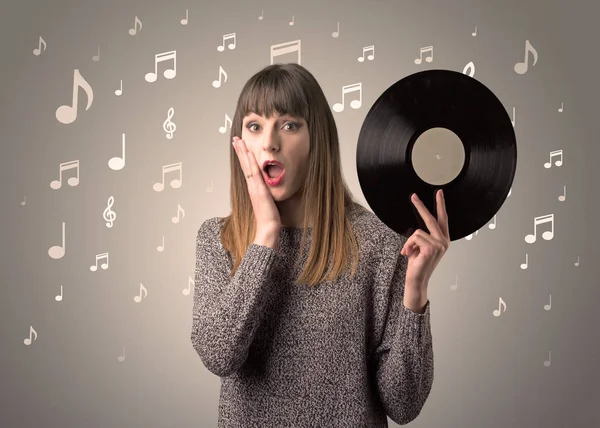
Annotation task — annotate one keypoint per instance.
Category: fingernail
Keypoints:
(415, 196)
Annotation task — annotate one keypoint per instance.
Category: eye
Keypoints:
(294, 124)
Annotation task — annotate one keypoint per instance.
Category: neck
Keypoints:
(291, 212)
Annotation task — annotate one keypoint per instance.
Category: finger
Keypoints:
(442, 214)
(427, 217)
(419, 239)
(255, 170)
(242, 156)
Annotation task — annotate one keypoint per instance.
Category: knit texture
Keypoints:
(345, 353)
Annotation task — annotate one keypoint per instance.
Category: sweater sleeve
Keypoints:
(226, 310)
(404, 355)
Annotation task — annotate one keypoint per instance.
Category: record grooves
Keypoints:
(413, 105)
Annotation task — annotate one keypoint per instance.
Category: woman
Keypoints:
(311, 310)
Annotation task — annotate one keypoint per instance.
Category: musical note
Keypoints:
(210, 188)
(169, 126)
(58, 251)
(138, 299)
(554, 154)
(28, 340)
(338, 107)
(231, 46)
(336, 33)
(560, 110)
(184, 21)
(71, 181)
(471, 235)
(118, 163)
(175, 184)
(104, 266)
(497, 312)
(474, 33)
(548, 362)
(493, 224)
(161, 247)
(285, 48)
(37, 51)
(422, 51)
(217, 83)
(513, 118)
(59, 297)
(119, 91)
(169, 73)
(262, 14)
(470, 67)
(188, 290)
(577, 262)
(547, 235)
(549, 305)
(370, 57)
(109, 215)
(67, 114)
(23, 203)
(96, 58)
(292, 21)
(455, 285)
(526, 264)
(521, 67)
(133, 31)
(179, 210)
(223, 129)
(121, 358)
(564, 195)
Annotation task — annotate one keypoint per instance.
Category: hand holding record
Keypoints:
(424, 250)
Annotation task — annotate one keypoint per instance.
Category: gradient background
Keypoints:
(489, 370)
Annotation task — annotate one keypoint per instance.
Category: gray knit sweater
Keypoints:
(346, 353)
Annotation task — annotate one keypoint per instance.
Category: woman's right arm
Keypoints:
(226, 311)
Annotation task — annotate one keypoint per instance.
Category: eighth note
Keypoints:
(217, 83)
(521, 67)
(554, 154)
(338, 107)
(104, 266)
(231, 46)
(37, 51)
(422, 51)
(68, 113)
(223, 129)
(65, 166)
(169, 73)
(497, 312)
(176, 183)
(369, 57)
(28, 340)
(133, 31)
(547, 235)
(138, 299)
(179, 209)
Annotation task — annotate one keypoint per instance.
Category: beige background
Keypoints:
(490, 370)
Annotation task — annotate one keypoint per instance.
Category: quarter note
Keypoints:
(262, 14)
(369, 57)
(96, 58)
(292, 21)
(521, 67)
(58, 251)
(59, 297)
(184, 21)
(67, 114)
(526, 264)
(188, 290)
(547, 235)
(553, 154)
(560, 110)
(548, 362)
(231, 46)
(169, 73)
(71, 181)
(161, 247)
(498, 312)
(564, 195)
(549, 305)
(28, 340)
(336, 33)
(217, 83)
(577, 262)
(176, 183)
(493, 224)
(455, 285)
(136, 21)
(118, 163)
(104, 266)
(121, 358)
(119, 91)
(138, 299)
(422, 51)
(179, 210)
(338, 107)
(285, 48)
(474, 33)
(37, 51)
(23, 203)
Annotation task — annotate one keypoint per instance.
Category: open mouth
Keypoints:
(273, 174)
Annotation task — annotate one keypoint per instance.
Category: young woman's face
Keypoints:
(282, 138)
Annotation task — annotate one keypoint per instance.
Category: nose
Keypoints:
(271, 141)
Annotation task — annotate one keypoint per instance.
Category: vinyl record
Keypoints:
(430, 130)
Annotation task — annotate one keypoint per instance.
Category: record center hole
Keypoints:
(438, 156)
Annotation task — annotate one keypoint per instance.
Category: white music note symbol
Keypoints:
(231, 46)
(119, 92)
(179, 210)
(169, 73)
(168, 125)
(37, 51)
(184, 21)
(161, 247)
(118, 163)
(521, 67)
(176, 183)
(121, 358)
(28, 340)
(138, 299)
(497, 312)
(547, 235)
(336, 33)
(58, 251)
(136, 21)
(422, 51)
(369, 57)
(223, 129)
(68, 113)
(338, 107)
(188, 290)
(104, 266)
(59, 297)
(217, 83)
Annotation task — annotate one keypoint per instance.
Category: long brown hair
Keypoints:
(292, 89)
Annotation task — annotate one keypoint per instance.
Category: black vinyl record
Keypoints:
(418, 103)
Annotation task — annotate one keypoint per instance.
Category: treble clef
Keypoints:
(169, 126)
(109, 215)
